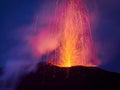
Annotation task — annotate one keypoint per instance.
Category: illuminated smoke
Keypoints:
(68, 35)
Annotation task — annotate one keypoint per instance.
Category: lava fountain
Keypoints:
(75, 45)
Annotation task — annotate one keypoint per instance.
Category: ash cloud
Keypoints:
(21, 55)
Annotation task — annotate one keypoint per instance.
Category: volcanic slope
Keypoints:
(50, 77)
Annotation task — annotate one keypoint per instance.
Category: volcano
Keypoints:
(50, 77)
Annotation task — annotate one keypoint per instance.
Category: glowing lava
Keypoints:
(68, 36)
(76, 45)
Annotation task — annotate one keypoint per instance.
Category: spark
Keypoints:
(76, 46)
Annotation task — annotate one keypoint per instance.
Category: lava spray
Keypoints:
(76, 46)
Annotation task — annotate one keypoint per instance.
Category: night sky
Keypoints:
(15, 14)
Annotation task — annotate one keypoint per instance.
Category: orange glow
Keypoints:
(76, 44)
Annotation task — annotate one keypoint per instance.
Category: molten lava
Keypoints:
(72, 27)
(76, 44)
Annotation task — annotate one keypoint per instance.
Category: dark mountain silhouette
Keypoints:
(49, 77)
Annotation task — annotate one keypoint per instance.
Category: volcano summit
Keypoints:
(50, 77)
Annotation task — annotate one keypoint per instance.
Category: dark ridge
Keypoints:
(49, 77)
